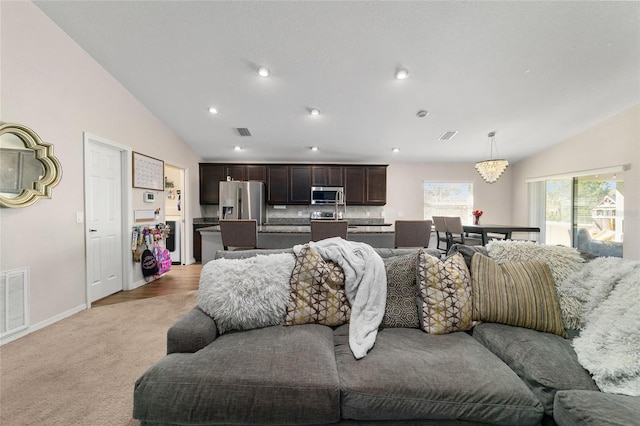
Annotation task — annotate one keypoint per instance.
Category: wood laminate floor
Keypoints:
(179, 279)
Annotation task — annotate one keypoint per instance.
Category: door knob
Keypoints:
(93, 230)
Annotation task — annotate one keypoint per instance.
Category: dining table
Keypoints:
(504, 231)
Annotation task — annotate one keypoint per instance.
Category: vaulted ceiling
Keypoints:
(535, 72)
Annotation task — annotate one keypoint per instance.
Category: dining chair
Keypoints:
(456, 233)
(412, 233)
(321, 229)
(442, 236)
(239, 233)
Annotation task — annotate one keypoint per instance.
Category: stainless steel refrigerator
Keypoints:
(242, 200)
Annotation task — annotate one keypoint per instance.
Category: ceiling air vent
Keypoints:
(243, 131)
(448, 135)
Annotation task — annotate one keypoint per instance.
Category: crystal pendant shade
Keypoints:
(491, 170)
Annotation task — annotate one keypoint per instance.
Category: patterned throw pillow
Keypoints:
(521, 294)
(317, 291)
(402, 290)
(445, 288)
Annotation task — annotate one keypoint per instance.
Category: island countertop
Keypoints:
(306, 229)
(277, 236)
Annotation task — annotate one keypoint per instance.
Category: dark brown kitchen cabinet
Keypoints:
(278, 185)
(376, 185)
(354, 180)
(235, 171)
(365, 185)
(291, 183)
(326, 175)
(210, 177)
(197, 242)
(246, 172)
(255, 172)
(299, 184)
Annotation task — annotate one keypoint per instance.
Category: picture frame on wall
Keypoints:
(148, 172)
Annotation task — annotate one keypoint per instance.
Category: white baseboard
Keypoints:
(43, 324)
(137, 284)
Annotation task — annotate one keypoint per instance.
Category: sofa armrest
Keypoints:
(191, 333)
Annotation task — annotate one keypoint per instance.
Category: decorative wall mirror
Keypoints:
(28, 168)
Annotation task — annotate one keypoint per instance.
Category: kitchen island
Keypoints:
(286, 236)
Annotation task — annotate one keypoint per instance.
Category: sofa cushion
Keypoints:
(545, 362)
(445, 294)
(402, 290)
(589, 408)
(243, 254)
(275, 375)
(246, 293)
(467, 252)
(317, 291)
(412, 375)
(515, 293)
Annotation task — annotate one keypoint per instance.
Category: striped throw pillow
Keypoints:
(521, 294)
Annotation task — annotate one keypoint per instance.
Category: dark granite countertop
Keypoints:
(306, 229)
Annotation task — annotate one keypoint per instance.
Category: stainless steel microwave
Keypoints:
(328, 195)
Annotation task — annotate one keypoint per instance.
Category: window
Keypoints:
(448, 199)
(585, 212)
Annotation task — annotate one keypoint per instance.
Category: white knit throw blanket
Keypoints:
(365, 287)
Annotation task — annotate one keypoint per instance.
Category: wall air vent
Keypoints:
(243, 131)
(448, 135)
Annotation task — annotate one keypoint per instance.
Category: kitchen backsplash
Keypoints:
(303, 212)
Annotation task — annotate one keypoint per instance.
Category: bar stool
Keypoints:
(412, 233)
(239, 233)
(321, 229)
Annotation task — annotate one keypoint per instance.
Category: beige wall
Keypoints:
(613, 142)
(405, 190)
(51, 85)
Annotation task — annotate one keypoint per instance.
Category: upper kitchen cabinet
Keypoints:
(323, 175)
(376, 185)
(299, 184)
(210, 177)
(212, 173)
(365, 185)
(246, 172)
(291, 183)
(256, 172)
(278, 185)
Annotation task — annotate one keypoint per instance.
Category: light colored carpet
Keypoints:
(82, 370)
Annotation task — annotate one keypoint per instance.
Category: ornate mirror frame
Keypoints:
(43, 152)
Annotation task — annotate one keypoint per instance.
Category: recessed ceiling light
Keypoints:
(263, 72)
(314, 111)
(237, 148)
(422, 113)
(212, 110)
(314, 148)
(401, 73)
(395, 149)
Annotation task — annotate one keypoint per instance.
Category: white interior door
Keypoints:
(103, 183)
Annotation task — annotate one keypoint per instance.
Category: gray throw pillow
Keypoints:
(241, 294)
(402, 291)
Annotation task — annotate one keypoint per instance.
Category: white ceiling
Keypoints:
(534, 72)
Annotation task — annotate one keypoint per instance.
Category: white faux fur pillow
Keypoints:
(562, 261)
(241, 294)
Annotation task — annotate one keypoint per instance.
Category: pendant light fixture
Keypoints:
(491, 169)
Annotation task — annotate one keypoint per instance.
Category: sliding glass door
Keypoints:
(586, 212)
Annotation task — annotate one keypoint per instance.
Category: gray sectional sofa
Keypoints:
(306, 375)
